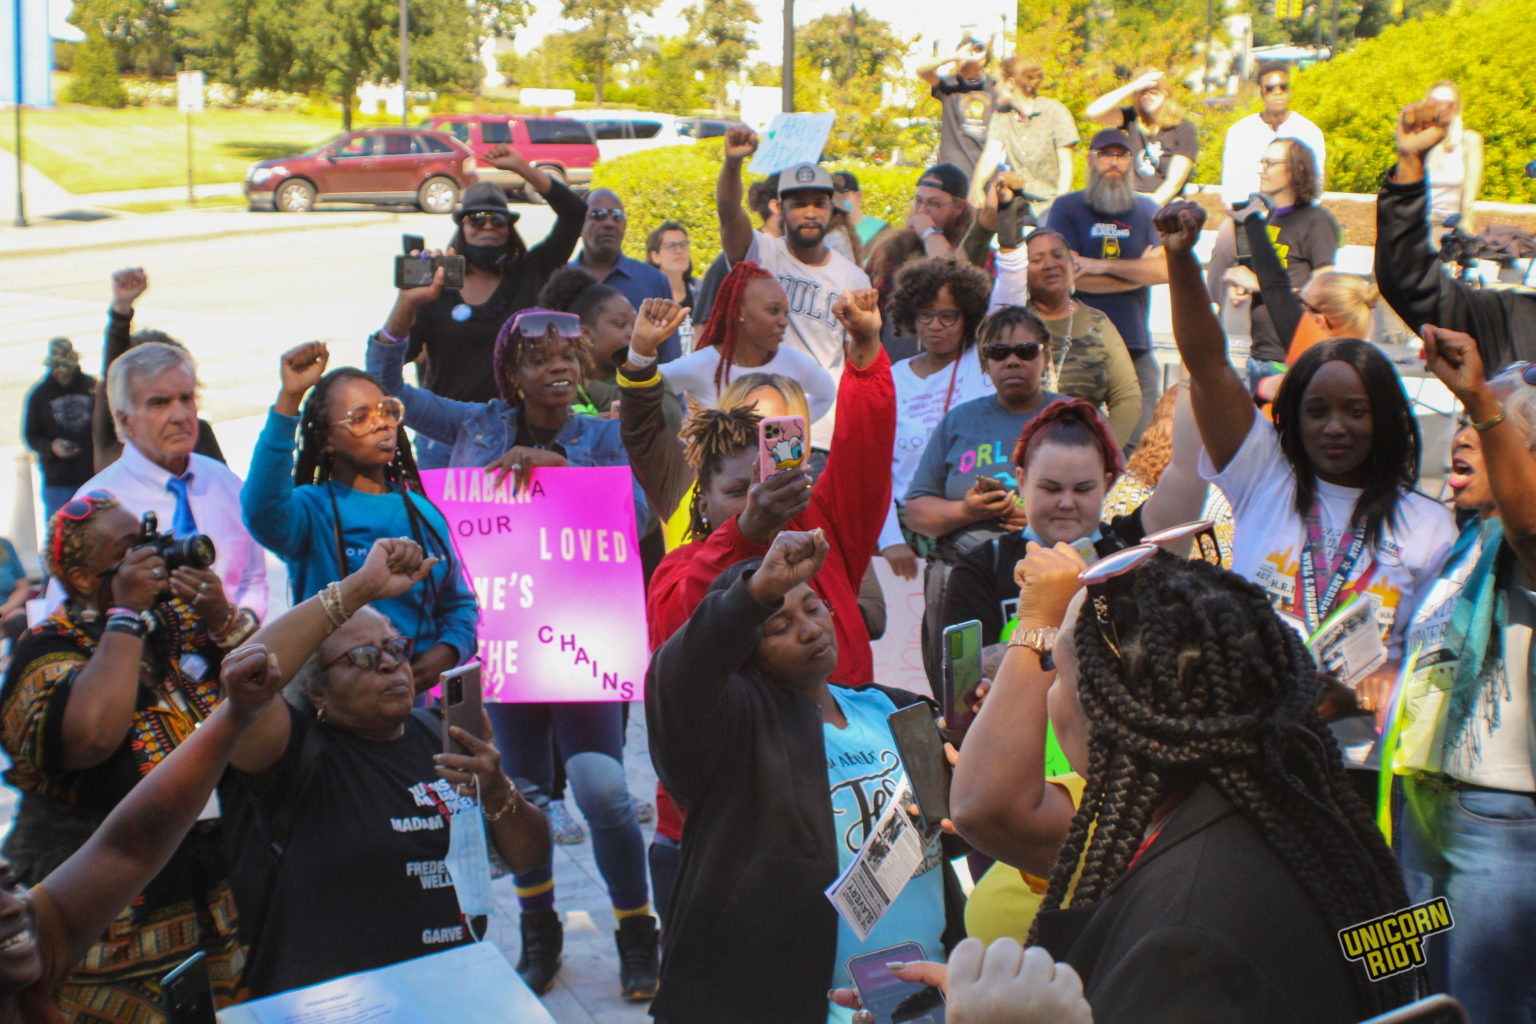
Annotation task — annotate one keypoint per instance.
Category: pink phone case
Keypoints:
(781, 444)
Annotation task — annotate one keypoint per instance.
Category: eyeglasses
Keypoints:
(675, 246)
(1276, 87)
(946, 317)
(77, 509)
(485, 219)
(369, 657)
(997, 351)
(535, 323)
(1271, 162)
(1116, 154)
(603, 213)
(360, 419)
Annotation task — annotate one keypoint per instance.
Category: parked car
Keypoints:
(558, 146)
(620, 132)
(374, 165)
(707, 127)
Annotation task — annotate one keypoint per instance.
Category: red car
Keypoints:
(558, 146)
(375, 165)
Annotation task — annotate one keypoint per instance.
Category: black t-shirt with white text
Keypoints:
(362, 883)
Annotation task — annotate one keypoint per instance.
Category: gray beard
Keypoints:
(1110, 196)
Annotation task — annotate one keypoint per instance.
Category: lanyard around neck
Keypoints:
(1314, 565)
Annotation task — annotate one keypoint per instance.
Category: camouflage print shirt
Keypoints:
(1089, 360)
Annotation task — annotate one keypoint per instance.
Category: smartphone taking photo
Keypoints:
(461, 704)
(922, 756)
(961, 646)
(781, 445)
(889, 999)
(187, 993)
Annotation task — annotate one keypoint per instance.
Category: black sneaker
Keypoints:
(639, 962)
(543, 939)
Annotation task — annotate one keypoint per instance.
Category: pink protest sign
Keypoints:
(557, 572)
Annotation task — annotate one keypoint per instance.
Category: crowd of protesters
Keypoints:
(1166, 793)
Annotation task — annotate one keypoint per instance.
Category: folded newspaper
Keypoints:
(894, 851)
(1348, 643)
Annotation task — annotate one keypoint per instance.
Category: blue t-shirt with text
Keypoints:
(1098, 236)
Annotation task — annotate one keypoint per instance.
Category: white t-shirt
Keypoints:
(1245, 145)
(921, 403)
(812, 327)
(694, 374)
(1269, 538)
(1501, 731)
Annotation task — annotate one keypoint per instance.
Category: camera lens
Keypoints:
(196, 551)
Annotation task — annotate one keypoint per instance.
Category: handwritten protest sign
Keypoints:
(791, 139)
(557, 573)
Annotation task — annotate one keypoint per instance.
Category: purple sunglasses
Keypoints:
(535, 323)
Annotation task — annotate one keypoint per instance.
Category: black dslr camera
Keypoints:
(196, 551)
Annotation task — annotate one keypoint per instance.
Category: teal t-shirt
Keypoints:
(863, 769)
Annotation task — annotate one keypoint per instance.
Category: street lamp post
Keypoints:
(405, 65)
(787, 78)
(21, 195)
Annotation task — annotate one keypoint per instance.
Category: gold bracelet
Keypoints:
(1489, 424)
(336, 613)
(510, 805)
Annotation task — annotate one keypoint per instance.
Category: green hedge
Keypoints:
(678, 183)
(1355, 99)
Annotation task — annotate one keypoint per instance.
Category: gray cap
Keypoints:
(805, 178)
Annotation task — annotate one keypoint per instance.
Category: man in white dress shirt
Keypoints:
(153, 393)
(1250, 137)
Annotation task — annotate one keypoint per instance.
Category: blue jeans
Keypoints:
(55, 497)
(1477, 848)
(591, 739)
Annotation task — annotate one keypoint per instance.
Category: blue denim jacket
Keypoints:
(481, 432)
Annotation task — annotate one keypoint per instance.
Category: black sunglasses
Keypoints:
(997, 351)
(485, 219)
(369, 657)
(1276, 87)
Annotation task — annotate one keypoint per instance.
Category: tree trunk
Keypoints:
(600, 66)
(346, 111)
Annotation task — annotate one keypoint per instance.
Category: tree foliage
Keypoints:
(722, 32)
(605, 38)
(142, 33)
(96, 82)
(852, 44)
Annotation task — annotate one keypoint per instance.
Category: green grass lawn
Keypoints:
(93, 149)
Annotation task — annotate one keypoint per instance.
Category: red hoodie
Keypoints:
(848, 503)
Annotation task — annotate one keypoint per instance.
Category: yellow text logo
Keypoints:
(1394, 943)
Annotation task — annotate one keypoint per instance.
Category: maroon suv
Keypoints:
(375, 165)
(558, 146)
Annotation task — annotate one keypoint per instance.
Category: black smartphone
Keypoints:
(1441, 1009)
(417, 271)
(889, 999)
(922, 755)
(187, 993)
(962, 673)
(461, 704)
(412, 243)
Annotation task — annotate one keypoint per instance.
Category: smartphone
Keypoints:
(412, 243)
(1441, 1009)
(922, 755)
(962, 673)
(187, 994)
(461, 704)
(417, 271)
(889, 999)
(781, 444)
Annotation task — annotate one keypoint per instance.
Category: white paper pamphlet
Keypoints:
(1348, 643)
(892, 853)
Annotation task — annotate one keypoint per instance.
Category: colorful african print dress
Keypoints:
(189, 906)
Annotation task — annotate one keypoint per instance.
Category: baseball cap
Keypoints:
(61, 354)
(484, 196)
(844, 181)
(804, 178)
(1110, 137)
(948, 178)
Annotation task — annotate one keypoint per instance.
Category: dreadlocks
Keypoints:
(708, 436)
(720, 328)
(1211, 686)
(315, 464)
(68, 539)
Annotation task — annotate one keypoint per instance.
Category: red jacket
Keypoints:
(849, 503)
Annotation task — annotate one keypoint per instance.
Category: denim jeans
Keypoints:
(1477, 848)
(591, 741)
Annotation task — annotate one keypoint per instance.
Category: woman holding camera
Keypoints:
(95, 697)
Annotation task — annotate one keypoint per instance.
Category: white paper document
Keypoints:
(890, 856)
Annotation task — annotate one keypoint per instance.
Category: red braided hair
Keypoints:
(1072, 422)
(720, 328)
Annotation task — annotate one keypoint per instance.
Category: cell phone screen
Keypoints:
(889, 999)
(962, 673)
(922, 756)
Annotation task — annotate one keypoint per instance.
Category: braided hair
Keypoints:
(725, 314)
(1211, 686)
(510, 348)
(315, 464)
(572, 290)
(709, 436)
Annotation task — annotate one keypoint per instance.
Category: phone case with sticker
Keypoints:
(781, 444)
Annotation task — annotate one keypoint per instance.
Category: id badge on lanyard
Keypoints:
(1314, 607)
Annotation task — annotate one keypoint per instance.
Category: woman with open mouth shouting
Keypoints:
(538, 364)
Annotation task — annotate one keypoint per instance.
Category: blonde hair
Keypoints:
(1155, 450)
(1171, 112)
(788, 388)
(1347, 300)
(1014, 69)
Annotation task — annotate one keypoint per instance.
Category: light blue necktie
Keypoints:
(184, 525)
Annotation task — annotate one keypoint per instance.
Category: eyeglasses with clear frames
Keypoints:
(360, 419)
(369, 657)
